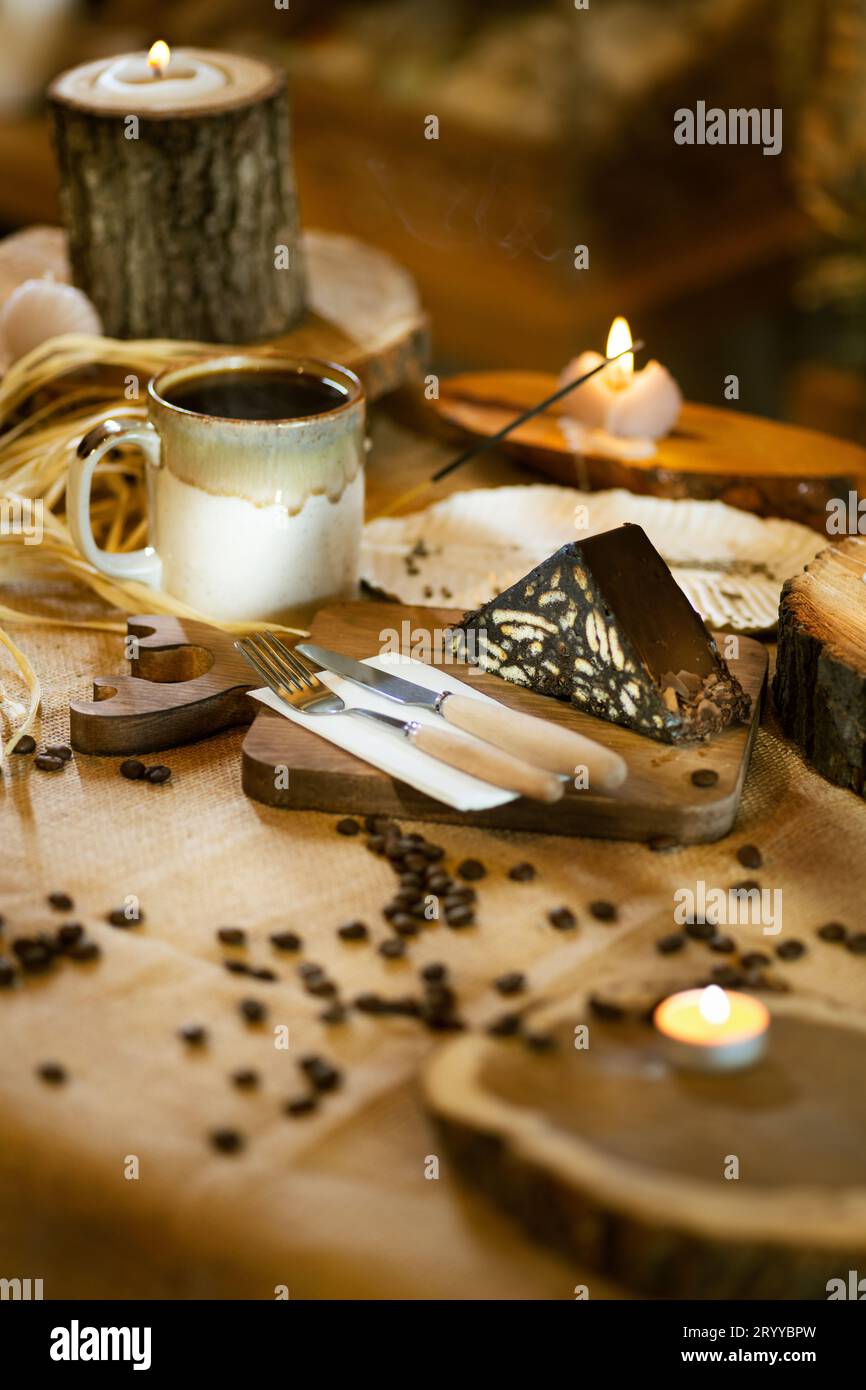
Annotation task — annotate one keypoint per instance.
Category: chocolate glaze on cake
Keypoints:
(603, 624)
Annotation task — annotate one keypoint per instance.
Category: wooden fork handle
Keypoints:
(490, 764)
(539, 741)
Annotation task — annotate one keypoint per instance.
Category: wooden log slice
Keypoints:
(820, 681)
(617, 1160)
(760, 465)
(174, 222)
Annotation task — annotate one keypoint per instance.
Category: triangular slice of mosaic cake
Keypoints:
(604, 624)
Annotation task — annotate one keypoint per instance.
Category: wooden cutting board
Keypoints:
(188, 682)
(760, 465)
(658, 797)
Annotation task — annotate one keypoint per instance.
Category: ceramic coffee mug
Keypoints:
(255, 486)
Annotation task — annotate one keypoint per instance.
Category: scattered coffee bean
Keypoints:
(857, 943)
(434, 973)
(354, 931)
(52, 1072)
(158, 773)
(405, 925)
(562, 918)
(69, 934)
(790, 950)
(348, 826)
(700, 931)
(286, 941)
(376, 844)
(25, 744)
(35, 956)
(236, 967)
(540, 1042)
(117, 918)
(61, 902)
(511, 983)
(320, 987)
(84, 952)
(393, 948)
(245, 1080)
(522, 873)
(370, 1003)
(59, 750)
(320, 1073)
(776, 984)
(505, 1026)
(705, 777)
(194, 1034)
(725, 945)
(47, 763)
(132, 769)
(471, 869)
(232, 936)
(603, 911)
(606, 1009)
(750, 856)
(832, 931)
(667, 945)
(308, 970)
(252, 1010)
(301, 1105)
(754, 960)
(7, 972)
(227, 1141)
(335, 1013)
(460, 916)
(263, 972)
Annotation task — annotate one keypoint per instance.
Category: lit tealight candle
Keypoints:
(712, 1029)
(158, 80)
(619, 411)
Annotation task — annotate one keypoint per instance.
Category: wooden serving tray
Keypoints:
(188, 682)
(618, 1160)
(658, 797)
(760, 465)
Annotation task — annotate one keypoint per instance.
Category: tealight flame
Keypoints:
(715, 1005)
(619, 337)
(159, 58)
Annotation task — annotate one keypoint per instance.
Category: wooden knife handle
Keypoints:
(490, 764)
(539, 741)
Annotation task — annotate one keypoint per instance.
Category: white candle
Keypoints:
(712, 1029)
(160, 79)
(620, 403)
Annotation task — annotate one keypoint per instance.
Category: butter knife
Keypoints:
(538, 741)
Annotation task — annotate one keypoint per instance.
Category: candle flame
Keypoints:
(159, 58)
(619, 337)
(715, 1005)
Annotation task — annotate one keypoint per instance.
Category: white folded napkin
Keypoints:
(388, 749)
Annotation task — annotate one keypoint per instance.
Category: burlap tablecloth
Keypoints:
(335, 1205)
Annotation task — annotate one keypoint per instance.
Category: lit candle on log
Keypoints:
(178, 194)
(620, 411)
(712, 1029)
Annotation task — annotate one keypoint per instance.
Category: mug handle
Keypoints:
(144, 565)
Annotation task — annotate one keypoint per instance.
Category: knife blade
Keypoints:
(542, 742)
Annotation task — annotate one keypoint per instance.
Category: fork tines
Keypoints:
(276, 664)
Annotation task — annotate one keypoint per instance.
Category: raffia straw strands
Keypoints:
(35, 452)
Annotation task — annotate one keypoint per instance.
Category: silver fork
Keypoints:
(298, 686)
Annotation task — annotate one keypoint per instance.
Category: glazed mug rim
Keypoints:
(318, 367)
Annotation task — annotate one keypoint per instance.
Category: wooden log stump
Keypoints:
(820, 681)
(176, 217)
(617, 1160)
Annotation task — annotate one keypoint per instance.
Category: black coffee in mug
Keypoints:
(257, 395)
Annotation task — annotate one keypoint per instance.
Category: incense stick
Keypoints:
(528, 414)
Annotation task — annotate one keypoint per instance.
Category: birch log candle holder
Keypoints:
(178, 193)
